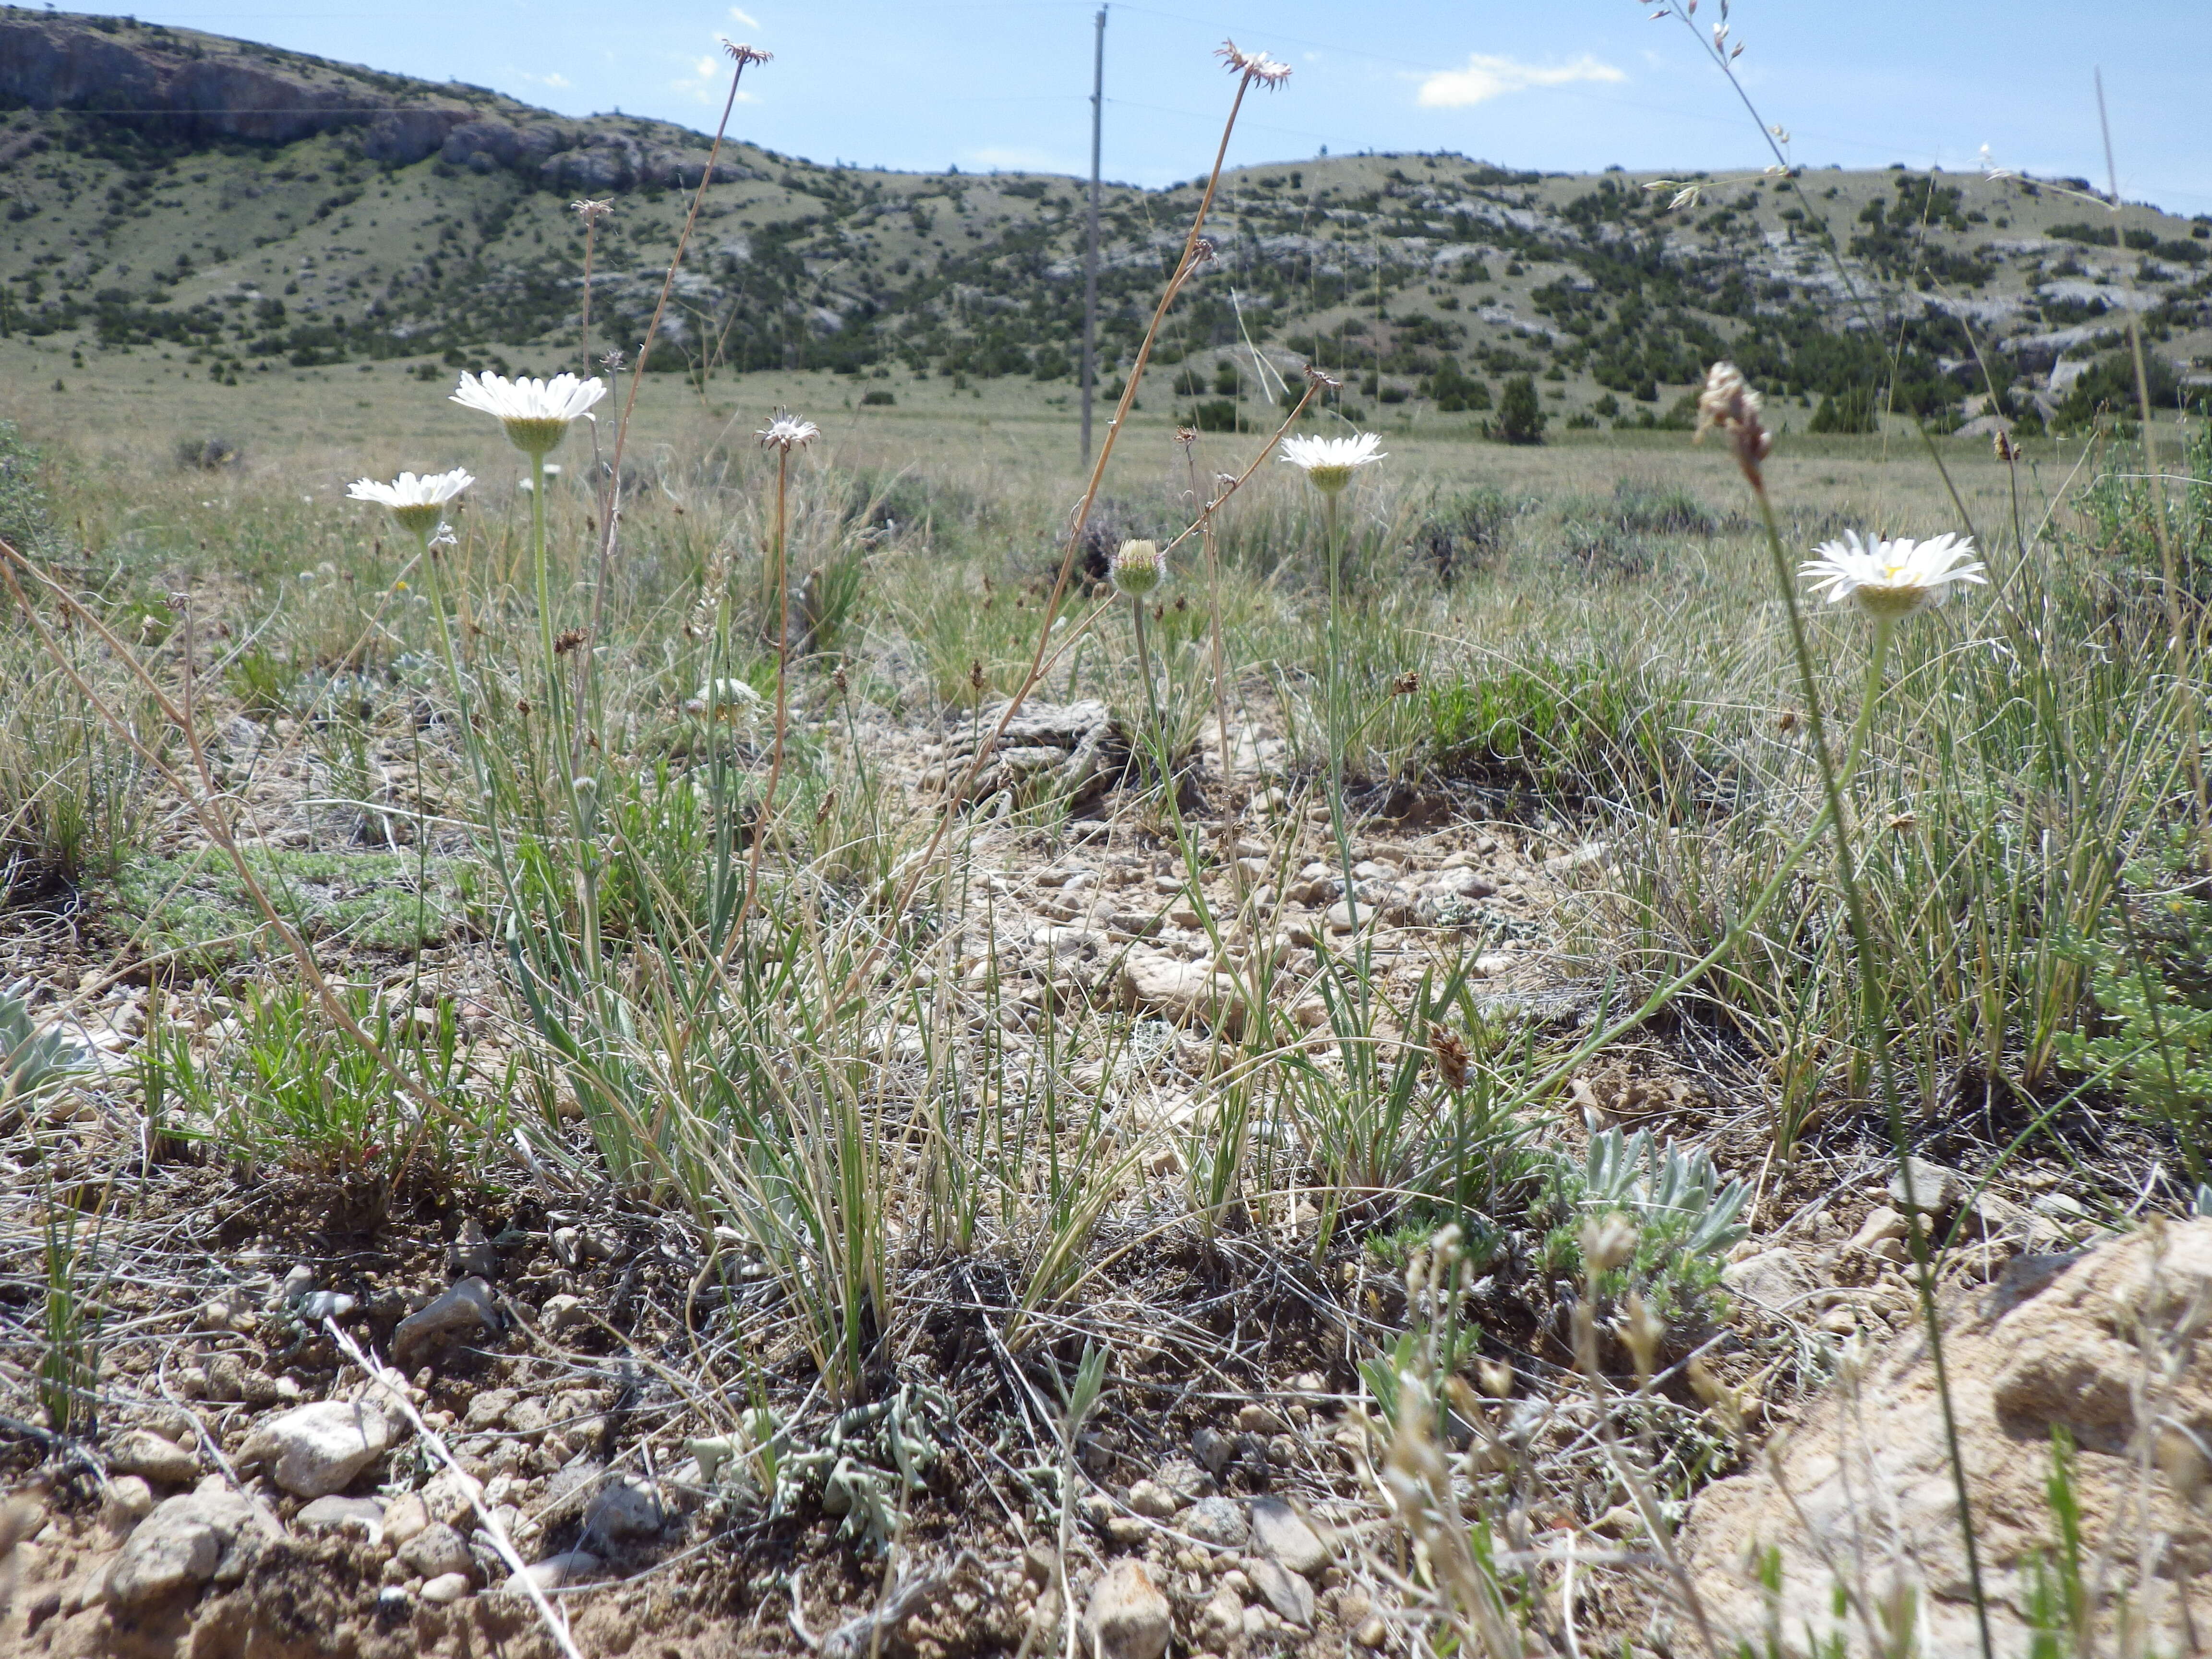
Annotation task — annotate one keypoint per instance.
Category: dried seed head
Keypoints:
(1202, 251)
(1728, 403)
(568, 641)
(837, 678)
(1608, 1242)
(1322, 378)
(1255, 67)
(1786, 720)
(1406, 684)
(612, 360)
(1643, 1331)
(1496, 1378)
(1186, 436)
(1450, 1050)
(2006, 450)
(976, 673)
(742, 55)
(1725, 1404)
(787, 432)
(591, 212)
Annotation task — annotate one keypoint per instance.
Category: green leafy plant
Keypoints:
(2150, 974)
(1685, 1215)
(69, 1361)
(34, 1063)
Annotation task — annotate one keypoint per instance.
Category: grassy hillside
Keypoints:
(1426, 281)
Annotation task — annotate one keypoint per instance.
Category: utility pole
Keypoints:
(1090, 251)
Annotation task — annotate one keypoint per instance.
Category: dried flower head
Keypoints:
(1607, 1241)
(787, 432)
(1202, 251)
(742, 55)
(418, 505)
(1688, 193)
(589, 211)
(1317, 376)
(1329, 462)
(1253, 66)
(536, 413)
(1891, 580)
(1186, 436)
(2006, 449)
(1643, 1331)
(613, 361)
(569, 640)
(1138, 568)
(1728, 403)
(1406, 684)
(1450, 1050)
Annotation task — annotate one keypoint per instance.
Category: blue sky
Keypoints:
(1575, 84)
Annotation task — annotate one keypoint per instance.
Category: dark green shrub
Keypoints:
(1850, 411)
(1464, 533)
(1521, 415)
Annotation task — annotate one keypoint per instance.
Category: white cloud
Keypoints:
(739, 15)
(1486, 77)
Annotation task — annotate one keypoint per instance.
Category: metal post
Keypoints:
(1090, 251)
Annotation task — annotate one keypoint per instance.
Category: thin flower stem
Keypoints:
(1159, 739)
(1034, 673)
(782, 712)
(611, 518)
(1874, 1013)
(541, 566)
(1213, 613)
(1333, 712)
(1722, 60)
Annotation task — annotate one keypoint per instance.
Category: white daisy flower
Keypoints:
(417, 503)
(1329, 462)
(536, 413)
(788, 433)
(1892, 579)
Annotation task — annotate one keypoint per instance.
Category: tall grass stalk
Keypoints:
(1195, 252)
(1873, 1010)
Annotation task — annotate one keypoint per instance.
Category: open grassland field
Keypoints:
(723, 1046)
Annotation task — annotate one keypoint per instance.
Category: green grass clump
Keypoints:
(1587, 725)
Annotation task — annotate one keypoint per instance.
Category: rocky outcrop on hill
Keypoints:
(188, 85)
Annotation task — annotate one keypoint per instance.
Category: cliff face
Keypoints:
(190, 85)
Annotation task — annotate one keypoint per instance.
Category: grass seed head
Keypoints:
(1728, 403)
